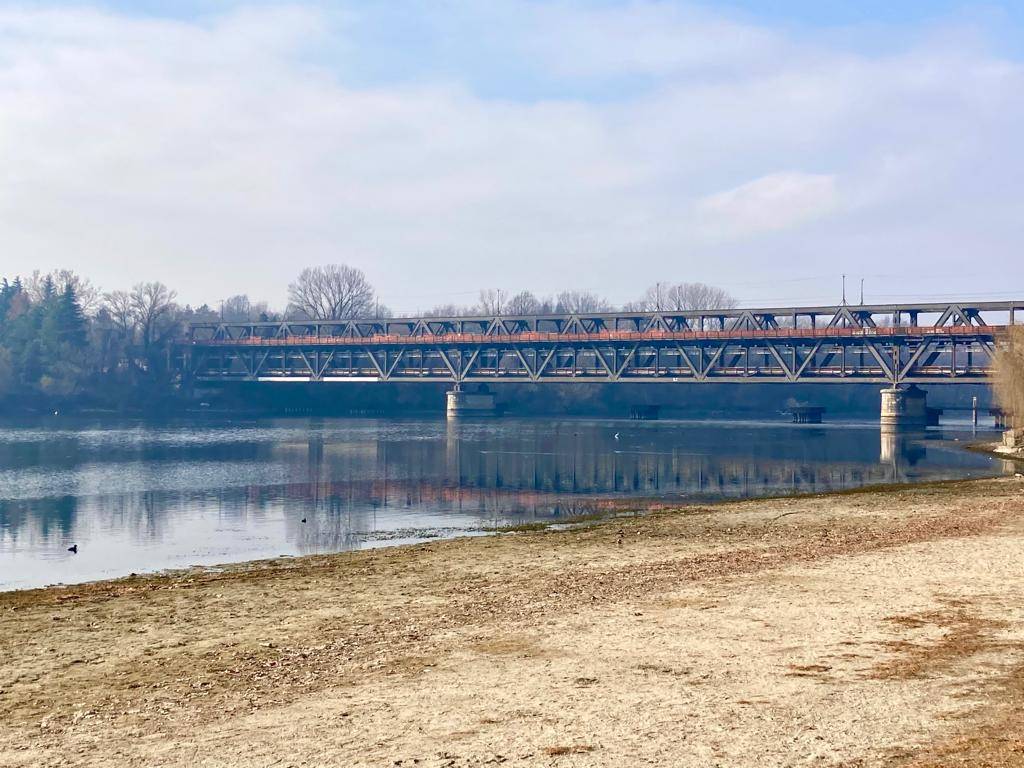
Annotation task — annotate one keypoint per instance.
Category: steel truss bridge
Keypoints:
(889, 344)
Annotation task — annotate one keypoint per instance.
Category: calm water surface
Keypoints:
(140, 497)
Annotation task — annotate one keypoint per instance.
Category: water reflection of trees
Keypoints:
(350, 490)
(492, 482)
(38, 518)
(398, 475)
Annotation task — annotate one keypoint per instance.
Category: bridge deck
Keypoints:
(888, 344)
(714, 320)
(650, 335)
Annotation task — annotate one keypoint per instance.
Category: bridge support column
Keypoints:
(461, 403)
(904, 407)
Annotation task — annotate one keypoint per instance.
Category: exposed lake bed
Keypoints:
(873, 628)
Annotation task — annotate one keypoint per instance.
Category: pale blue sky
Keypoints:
(389, 40)
(806, 12)
(448, 146)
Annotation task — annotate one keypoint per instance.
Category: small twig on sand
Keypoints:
(784, 514)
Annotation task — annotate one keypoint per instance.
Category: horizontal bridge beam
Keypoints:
(879, 380)
(936, 314)
(953, 356)
(988, 332)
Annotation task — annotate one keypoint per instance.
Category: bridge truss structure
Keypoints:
(890, 344)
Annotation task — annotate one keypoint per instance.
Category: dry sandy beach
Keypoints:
(878, 628)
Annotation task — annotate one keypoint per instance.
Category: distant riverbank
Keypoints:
(867, 628)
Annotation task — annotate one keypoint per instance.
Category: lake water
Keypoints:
(140, 497)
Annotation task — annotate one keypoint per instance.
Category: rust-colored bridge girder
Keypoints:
(889, 344)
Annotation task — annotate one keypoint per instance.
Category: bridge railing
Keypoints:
(651, 335)
(790, 319)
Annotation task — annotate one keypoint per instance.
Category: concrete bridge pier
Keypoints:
(463, 403)
(904, 407)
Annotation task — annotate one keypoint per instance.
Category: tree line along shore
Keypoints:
(67, 345)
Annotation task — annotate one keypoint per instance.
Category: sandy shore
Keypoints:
(881, 628)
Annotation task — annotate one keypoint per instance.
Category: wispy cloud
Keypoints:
(777, 201)
(224, 152)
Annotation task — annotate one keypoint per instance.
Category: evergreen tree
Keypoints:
(5, 298)
(63, 321)
(30, 364)
(49, 289)
(52, 353)
(73, 326)
(8, 292)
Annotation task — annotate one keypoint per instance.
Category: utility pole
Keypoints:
(862, 291)
(844, 290)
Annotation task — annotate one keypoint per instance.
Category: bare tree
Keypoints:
(654, 299)
(524, 303)
(34, 286)
(448, 310)
(331, 292)
(122, 312)
(87, 295)
(236, 309)
(490, 301)
(1008, 376)
(201, 314)
(686, 296)
(581, 302)
(665, 297)
(635, 306)
(153, 308)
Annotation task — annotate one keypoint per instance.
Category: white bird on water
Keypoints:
(616, 435)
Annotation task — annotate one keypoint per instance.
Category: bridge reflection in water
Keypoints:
(160, 496)
(572, 469)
